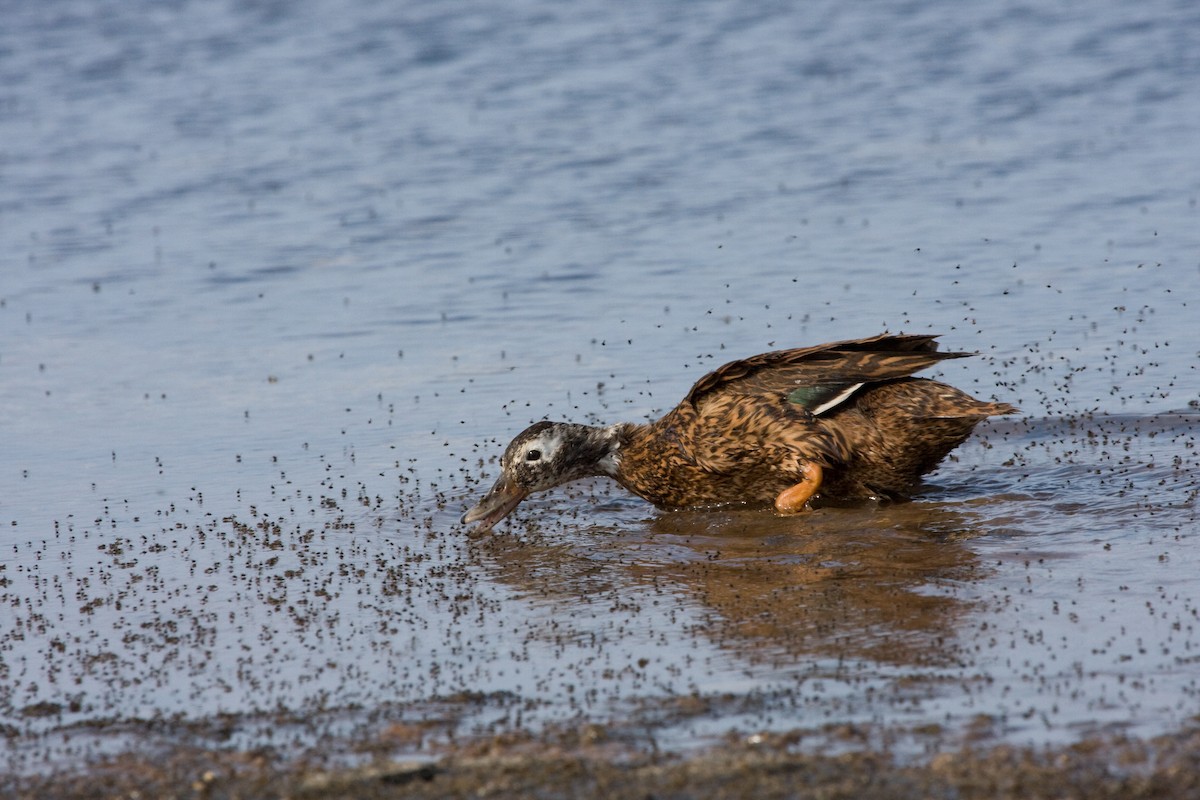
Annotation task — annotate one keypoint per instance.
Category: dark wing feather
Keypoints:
(817, 378)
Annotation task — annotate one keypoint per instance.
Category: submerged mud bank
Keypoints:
(516, 766)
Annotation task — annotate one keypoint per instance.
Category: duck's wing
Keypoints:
(820, 378)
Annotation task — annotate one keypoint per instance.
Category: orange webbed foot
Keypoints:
(792, 499)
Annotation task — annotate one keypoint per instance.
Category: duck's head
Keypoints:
(541, 457)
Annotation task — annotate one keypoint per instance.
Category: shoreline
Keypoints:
(513, 766)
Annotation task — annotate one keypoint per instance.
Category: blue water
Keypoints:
(307, 267)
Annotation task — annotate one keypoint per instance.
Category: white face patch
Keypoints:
(548, 443)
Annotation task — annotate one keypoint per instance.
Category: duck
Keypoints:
(841, 421)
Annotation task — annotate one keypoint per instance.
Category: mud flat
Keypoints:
(594, 762)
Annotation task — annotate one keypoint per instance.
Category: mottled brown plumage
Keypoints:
(843, 419)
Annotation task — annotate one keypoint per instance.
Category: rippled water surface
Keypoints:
(279, 280)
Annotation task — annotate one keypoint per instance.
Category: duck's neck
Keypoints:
(595, 450)
(631, 459)
(600, 448)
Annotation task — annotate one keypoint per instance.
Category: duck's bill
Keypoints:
(497, 504)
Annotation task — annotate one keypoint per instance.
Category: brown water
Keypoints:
(279, 283)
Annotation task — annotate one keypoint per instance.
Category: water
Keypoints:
(280, 280)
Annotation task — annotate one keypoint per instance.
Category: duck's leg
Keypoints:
(792, 499)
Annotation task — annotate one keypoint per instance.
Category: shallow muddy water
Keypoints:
(280, 281)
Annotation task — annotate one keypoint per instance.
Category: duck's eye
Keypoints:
(533, 455)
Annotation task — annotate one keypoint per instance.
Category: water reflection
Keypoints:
(870, 583)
